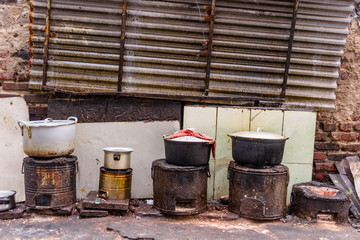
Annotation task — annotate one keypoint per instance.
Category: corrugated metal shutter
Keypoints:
(165, 53)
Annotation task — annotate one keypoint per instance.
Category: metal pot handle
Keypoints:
(73, 118)
(152, 173)
(208, 172)
(22, 168)
(77, 170)
(48, 120)
(21, 125)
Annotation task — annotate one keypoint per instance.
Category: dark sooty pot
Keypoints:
(187, 153)
(257, 152)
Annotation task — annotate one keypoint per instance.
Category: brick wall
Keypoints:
(337, 133)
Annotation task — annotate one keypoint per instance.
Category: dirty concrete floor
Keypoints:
(116, 227)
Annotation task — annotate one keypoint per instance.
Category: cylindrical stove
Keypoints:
(51, 183)
(115, 184)
(179, 190)
(258, 193)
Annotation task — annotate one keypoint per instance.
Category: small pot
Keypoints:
(257, 148)
(187, 151)
(7, 200)
(48, 138)
(117, 158)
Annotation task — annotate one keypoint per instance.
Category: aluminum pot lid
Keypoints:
(49, 122)
(187, 139)
(118, 149)
(258, 135)
(6, 193)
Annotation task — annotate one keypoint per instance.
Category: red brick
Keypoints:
(355, 117)
(3, 65)
(23, 77)
(15, 86)
(322, 137)
(343, 75)
(329, 127)
(327, 146)
(38, 111)
(344, 136)
(319, 156)
(37, 98)
(321, 176)
(351, 147)
(325, 166)
(336, 156)
(357, 127)
(4, 75)
(4, 54)
(345, 127)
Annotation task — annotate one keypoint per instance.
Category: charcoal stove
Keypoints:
(50, 183)
(179, 190)
(258, 193)
(308, 200)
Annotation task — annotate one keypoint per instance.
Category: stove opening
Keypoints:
(183, 205)
(326, 216)
(43, 200)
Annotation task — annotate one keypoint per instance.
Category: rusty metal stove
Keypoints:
(258, 193)
(50, 183)
(179, 190)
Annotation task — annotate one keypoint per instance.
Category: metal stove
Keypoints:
(50, 183)
(179, 190)
(258, 193)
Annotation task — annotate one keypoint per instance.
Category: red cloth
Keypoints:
(188, 132)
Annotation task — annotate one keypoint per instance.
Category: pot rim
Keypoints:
(256, 135)
(118, 150)
(7, 193)
(188, 141)
(49, 122)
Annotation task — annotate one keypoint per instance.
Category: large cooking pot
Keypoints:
(7, 200)
(117, 158)
(187, 150)
(257, 148)
(48, 138)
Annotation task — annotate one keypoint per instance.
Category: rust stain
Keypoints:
(53, 35)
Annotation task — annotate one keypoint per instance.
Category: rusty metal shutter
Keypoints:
(166, 50)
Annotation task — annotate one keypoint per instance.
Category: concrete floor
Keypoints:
(115, 227)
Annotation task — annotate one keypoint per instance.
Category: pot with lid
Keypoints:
(117, 158)
(257, 148)
(48, 138)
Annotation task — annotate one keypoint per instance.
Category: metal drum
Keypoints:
(50, 184)
(258, 193)
(115, 184)
(179, 190)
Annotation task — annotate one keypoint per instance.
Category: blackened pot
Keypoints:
(187, 153)
(257, 148)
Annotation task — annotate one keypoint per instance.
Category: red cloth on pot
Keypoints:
(188, 132)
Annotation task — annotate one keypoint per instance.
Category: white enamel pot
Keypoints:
(117, 158)
(48, 138)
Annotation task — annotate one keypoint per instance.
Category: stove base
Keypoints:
(66, 211)
(91, 202)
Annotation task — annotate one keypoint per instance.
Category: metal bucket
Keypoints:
(179, 190)
(258, 193)
(115, 184)
(50, 184)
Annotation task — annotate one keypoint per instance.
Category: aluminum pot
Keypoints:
(7, 200)
(187, 151)
(48, 138)
(117, 158)
(257, 148)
